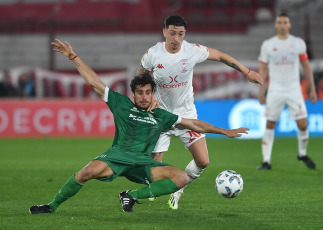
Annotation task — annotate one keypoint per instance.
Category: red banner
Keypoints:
(34, 118)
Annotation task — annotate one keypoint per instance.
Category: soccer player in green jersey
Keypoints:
(137, 132)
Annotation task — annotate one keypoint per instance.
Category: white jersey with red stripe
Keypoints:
(283, 58)
(173, 74)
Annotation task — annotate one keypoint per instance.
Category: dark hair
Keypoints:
(174, 20)
(283, 14)
(142, 80)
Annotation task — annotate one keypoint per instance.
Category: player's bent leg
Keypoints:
(69, 189)
(194, 169)
(157, 157)
(165, 180)
(95, 169)
(178, 176)
(200, 153)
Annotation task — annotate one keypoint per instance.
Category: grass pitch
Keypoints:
(287, 197)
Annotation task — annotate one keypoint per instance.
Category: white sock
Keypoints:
(193, 172)
(302, 137)
(267, 144)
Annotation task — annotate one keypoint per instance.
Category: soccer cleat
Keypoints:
(36, 209)
(152, 198)
(264, 166)
(173, 200)
(309, 163)
(127, 201)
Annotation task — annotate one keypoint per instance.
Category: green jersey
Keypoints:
(136, 130)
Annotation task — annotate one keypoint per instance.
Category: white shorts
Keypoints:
(276, 102)
(188, 137)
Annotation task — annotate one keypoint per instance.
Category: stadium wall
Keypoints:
(92, 118)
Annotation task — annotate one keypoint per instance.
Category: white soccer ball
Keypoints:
(229, 183)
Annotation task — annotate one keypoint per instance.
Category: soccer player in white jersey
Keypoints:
(172, 63)
(280, 56)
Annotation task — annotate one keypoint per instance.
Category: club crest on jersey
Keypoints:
(184, 65)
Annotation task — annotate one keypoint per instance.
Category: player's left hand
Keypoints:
(254, 77)
(236, 132)
(313, 96)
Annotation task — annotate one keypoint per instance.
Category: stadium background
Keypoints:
(48, 97)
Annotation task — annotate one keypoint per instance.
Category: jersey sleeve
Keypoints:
(263, 56)
(179, 119)
(114, 100)
(169, 119)
(302, 50)
(201, 53)
(106, 94)
(146, 61)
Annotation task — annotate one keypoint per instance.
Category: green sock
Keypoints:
(69, 189)
(155, 189)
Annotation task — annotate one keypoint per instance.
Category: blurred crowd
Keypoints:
(24, 89)
(22, 84)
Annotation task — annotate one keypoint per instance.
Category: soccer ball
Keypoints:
(229, 183)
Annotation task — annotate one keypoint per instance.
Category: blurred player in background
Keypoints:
(137, 132)
(172, 63)
(280, 57)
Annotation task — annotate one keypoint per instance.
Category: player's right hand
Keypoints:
(154, 103)
(262, 99)
(254, 77)
(236, 132)
(65, 49)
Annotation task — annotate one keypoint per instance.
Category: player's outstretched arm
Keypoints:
(263, 71)
(310, 80)
(204, 127)
(252, 76)
(86, 72)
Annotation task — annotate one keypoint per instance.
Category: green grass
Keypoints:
(287, 197)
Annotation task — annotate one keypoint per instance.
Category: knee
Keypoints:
(270, 124)
(179, 178)
(84, 175)
(202, 163)
(302, 126)
(183, 180)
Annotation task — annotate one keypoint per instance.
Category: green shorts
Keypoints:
(138, 171)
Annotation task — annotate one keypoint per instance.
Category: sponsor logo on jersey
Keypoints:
(160, 66)
(173, 84)
(173, 79)
(134, 109)
(149, 120)
(285, 61)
